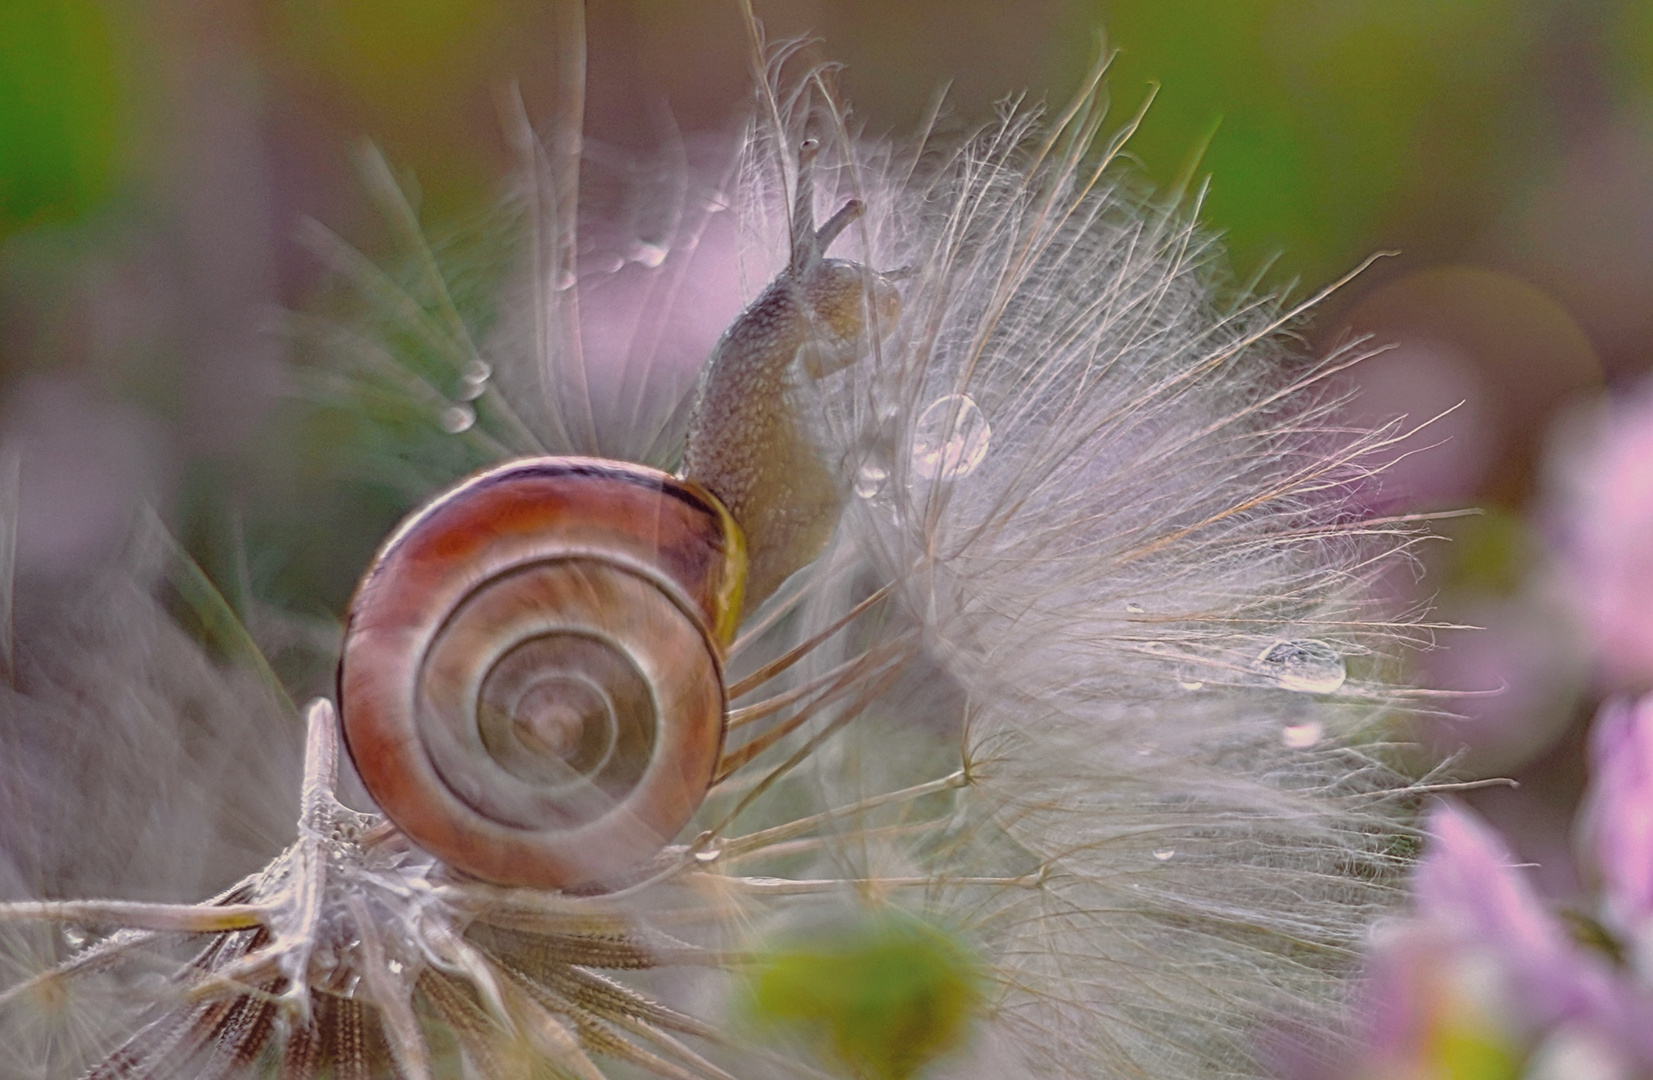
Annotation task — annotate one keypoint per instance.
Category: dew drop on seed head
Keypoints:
(395, 966)
(474, 380)
(1302, 736)
(1136, 609)
(649, 255)
(457, 418)
(950, 439)
(707, 847)
(74, 936)
(1308, 666)
(1165, 854)
(1191, 684)
(869, 481)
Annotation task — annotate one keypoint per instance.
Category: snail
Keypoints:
(531, 684)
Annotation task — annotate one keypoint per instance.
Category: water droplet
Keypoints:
(1136, 609)
(1308, 666)
(1165, 854)
(395, 966)
(474, 380)
(1191, 684)
(869, 481)
(74, 936)
(1302, 736)
(458, 418)
(709, 854)
(650, 255)
(951, 438)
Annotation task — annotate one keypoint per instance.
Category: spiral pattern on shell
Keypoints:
(531, 685)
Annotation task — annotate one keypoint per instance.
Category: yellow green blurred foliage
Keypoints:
(1629, 37)
(1327, 119)
(399, 53)
(60, 110)
(423, 79)
(884, 995)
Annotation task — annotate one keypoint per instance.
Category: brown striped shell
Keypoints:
(531, 686)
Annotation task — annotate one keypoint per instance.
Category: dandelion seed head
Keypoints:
(1153, 453)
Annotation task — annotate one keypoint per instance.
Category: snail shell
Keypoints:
(531, 686)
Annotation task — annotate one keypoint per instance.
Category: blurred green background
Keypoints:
(157, 157)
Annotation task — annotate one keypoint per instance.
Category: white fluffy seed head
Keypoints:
(1122, 526)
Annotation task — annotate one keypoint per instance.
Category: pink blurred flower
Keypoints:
(1615, 828)
(1520, 666)
(1486, 979)
(1604, 473)
(1469, 888)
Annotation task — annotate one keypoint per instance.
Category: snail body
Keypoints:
(532, 678)
(749, 441)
